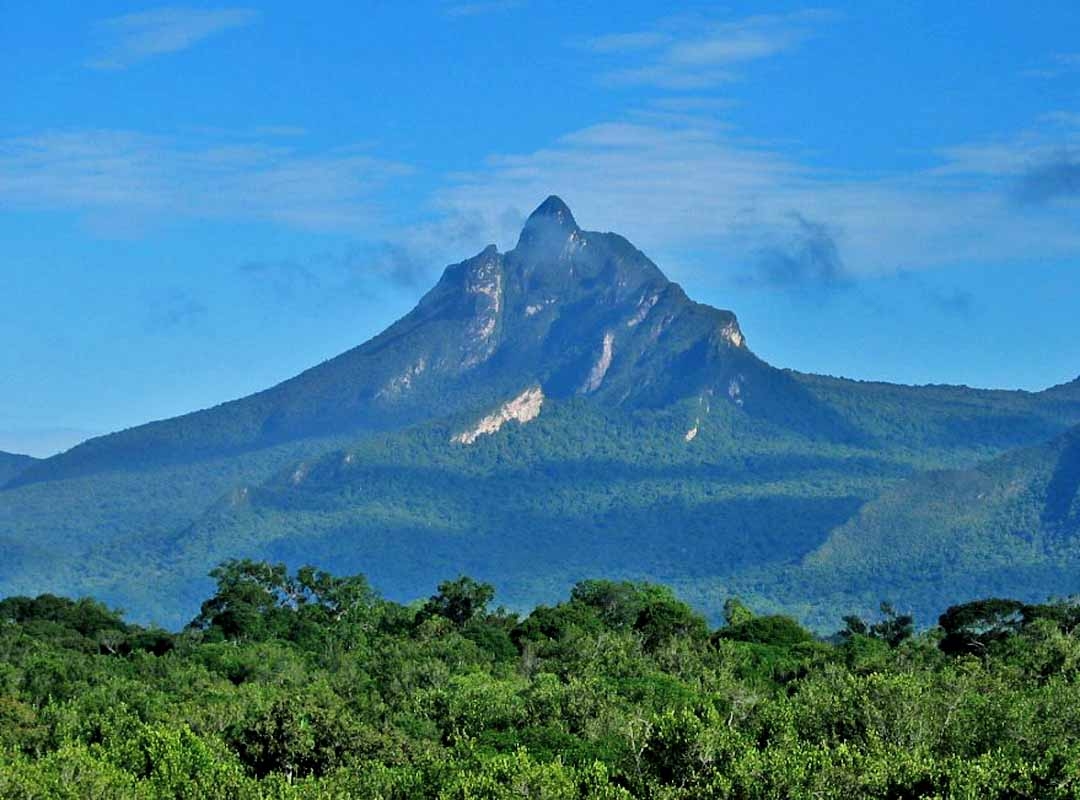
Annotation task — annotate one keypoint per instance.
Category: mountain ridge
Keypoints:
(12, 464)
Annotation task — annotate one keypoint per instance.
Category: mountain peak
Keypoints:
(554, 208)
(551, 222)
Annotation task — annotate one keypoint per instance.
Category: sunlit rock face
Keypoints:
(521, 409)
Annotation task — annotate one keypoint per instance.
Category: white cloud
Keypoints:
(131, 38)
(628, 42)
(681, 187)
(675, 184)
(1009, 156)
(126, 178)
(1041, 167)
(693, 53)
(1064, 119)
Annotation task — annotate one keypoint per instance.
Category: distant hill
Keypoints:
(12, 464)
(557, 411)
(1009, 526)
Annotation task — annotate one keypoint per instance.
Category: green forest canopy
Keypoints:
(306, 685)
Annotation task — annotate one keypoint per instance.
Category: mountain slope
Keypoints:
(1008, 526)
(696, 494)
(576, 490)
(555, 411)
(11, 464)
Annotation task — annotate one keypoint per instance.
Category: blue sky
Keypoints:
(199, 201)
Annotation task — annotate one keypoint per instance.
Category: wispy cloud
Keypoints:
(281, 280)
(1064, 119)
(693, 53)
(804, 256)
(481, 7)
(948, 300)
(131, 38)
(629, 42)
(1055, 66)
(690, 188)
(1037, 167)
(174, 308)
(122, 175)
(361, 269)
(251, 133)
(1051, 180)
(956, 301)
(285, 131)
(398, 264)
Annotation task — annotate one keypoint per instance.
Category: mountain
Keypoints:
(579, 312)
(11, 464)
(557, 411)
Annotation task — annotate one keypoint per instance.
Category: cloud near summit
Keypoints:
(689, 185)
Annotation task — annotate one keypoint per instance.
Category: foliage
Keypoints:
(893, 628)
(306, 685)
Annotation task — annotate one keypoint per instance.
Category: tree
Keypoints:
(775, 629)
(971, 628)
(667, 617)
(338, 597)
(893, 627)
(256, 601)
(248, 603)
(854, 625)
(617, 603)
(460, 600)
(736, 611)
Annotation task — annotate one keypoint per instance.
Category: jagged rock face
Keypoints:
(578, 312)
(603, 364)
(523, 408)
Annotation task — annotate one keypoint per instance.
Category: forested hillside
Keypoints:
(1010, 525)
(307, 685)
(11, 464)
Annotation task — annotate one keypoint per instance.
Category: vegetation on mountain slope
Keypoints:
(578, 491)
(1010, 525)
(11, 464)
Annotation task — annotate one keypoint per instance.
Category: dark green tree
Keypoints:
(893, 627)
(460, 600)
(972, 628)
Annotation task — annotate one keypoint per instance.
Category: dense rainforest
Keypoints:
(307, 685)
